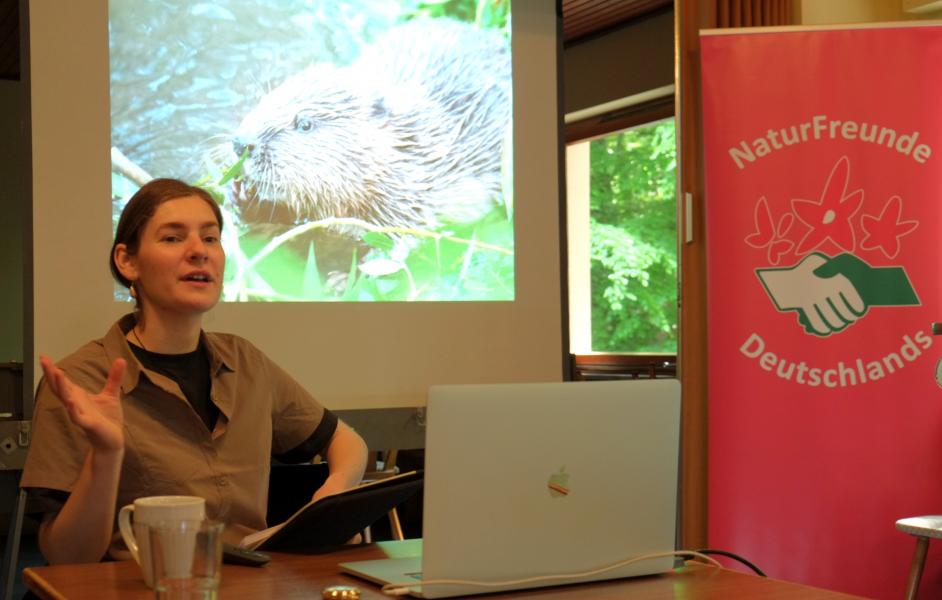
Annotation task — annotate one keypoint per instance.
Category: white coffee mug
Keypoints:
(151, 511)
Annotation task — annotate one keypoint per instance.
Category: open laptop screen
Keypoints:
(524, 480)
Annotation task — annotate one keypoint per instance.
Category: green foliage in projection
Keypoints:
(485, 13)
(634, 240)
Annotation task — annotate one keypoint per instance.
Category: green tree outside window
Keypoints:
(634, 240)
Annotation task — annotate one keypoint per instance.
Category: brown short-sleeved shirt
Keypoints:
(168, 449)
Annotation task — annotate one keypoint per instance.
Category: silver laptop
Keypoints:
(528, 480)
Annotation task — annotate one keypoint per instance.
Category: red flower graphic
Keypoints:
(829, 218)
(884, 232)
(767, 234)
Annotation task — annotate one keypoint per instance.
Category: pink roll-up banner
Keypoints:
(823, 152)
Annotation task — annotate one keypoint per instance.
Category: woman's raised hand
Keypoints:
(99, 415)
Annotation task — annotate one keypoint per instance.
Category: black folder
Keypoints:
(332, 521)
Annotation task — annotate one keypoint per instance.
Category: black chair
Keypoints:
(8, 572)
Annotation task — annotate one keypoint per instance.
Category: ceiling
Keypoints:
(581, 18)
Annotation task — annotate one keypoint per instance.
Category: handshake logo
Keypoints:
(831, 293)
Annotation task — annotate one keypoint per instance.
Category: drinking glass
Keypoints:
(186, 559)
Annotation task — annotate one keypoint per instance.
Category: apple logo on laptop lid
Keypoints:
(558, 483)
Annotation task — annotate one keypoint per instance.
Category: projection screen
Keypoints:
(380, 328)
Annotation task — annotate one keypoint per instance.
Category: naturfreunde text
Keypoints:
(820, 127)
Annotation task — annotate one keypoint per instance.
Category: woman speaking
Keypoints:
(160, 407)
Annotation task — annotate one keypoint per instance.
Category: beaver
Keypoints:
(410, 135)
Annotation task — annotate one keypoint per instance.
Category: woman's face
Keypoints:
(179, 265)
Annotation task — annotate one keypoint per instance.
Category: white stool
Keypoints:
(923, 528)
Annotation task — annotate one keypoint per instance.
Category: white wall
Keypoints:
(831, 12)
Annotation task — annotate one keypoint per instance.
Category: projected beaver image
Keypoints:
(359, 150)
(410, 136)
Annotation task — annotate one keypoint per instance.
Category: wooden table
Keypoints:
(291, 576)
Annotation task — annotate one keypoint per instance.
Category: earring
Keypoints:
(132, 290)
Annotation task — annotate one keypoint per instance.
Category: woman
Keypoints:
(180, 411)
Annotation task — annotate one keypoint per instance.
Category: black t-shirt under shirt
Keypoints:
(191, 372)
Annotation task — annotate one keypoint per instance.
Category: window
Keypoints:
(623, 241)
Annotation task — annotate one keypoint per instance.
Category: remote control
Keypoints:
(233, 555)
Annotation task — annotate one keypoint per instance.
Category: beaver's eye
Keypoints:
(304, 124)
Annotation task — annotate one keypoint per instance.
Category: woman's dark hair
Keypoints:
(142, 206)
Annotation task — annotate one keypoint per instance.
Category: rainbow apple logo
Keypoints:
(558, 483)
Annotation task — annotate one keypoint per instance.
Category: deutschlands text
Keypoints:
(844, 373)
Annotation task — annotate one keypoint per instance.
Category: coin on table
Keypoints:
(340, 592)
